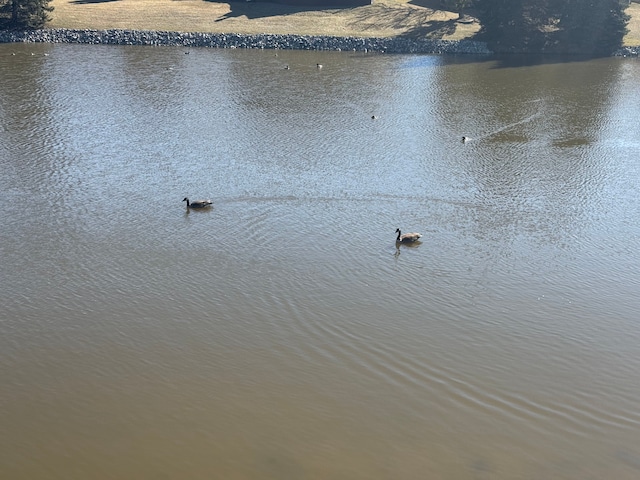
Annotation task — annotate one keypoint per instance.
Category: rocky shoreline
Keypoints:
(226, 40)
(267, 41)
(627, 52)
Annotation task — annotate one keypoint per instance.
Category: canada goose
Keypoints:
(465, 139)
(318, 65)
(373, 117)
(407, 237)
(197, 203)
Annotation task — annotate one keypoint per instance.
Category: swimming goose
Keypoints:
(197, 203)
(407, 237)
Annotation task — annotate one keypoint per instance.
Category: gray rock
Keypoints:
(269, 41)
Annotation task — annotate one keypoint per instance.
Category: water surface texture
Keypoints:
(282, 334)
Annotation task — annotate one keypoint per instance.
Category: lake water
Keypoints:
(282, 334)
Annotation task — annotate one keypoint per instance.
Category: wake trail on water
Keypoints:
(509, 126)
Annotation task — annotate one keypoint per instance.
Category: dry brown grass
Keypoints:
(384, 18)
(632, 39)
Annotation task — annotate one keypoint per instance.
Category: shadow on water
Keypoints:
(517, 60)
(534, 60)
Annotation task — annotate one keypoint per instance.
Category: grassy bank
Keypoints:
(384, 18)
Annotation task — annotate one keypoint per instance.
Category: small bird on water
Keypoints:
(407, 237)
(197, 203)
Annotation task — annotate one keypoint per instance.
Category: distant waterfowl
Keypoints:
(197, 203)
(373, 117)
(407, 237)
(286, 67)
(318, 65)
(465, 139)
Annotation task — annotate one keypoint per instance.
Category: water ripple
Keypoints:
(286, 312)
